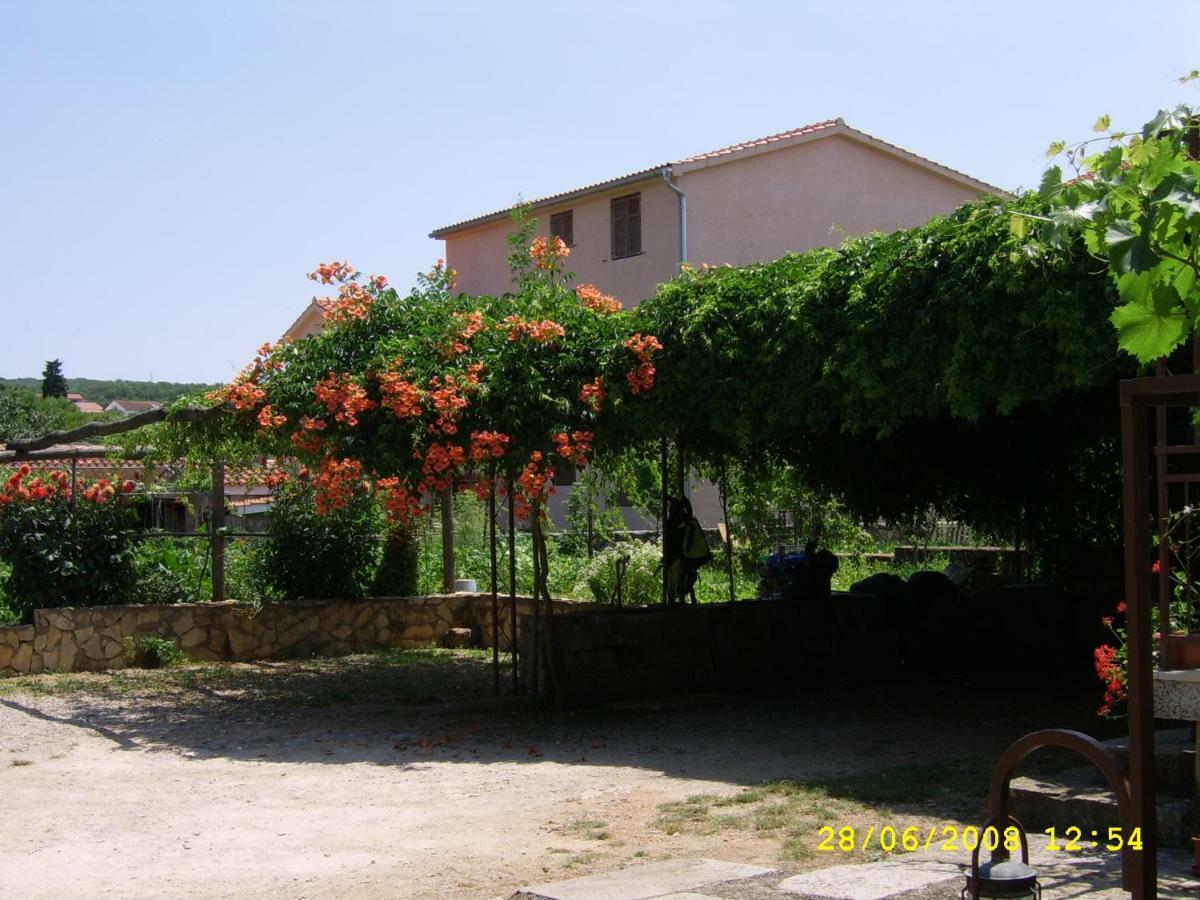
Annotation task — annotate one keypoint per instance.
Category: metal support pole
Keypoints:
(448, 567)
(217, 526)
(662, 520)
(724, 487)
(1142, 875)
(495, 597)
(512, 585)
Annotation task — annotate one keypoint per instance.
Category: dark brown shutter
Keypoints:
(618, 228)
(626, 225)
(562, 225)
(633, 227)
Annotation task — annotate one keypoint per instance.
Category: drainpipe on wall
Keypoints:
(683, 255)
(683, 248)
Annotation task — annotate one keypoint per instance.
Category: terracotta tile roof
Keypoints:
(87, 406)
(240, 481)
(764, 141)
(640, 175)
(819, 129)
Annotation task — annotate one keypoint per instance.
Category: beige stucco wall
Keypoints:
(480, 255)
(751, 208)
(812, 194)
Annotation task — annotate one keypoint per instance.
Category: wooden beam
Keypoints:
(103, 429)
(75, 453)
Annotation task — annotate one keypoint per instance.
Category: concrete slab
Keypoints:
(672, 878)
(872, 881)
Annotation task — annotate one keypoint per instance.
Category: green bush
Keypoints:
(597, 578)
(8, 610)
(170, 571)
(152, 652)
(244, 580)
(63, 555)
(315, 556)
(397, 572)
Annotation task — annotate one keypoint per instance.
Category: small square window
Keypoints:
(626, 226)
(562, 225)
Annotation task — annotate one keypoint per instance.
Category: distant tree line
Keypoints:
(104, 392)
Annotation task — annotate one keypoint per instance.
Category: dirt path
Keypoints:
(212, 795)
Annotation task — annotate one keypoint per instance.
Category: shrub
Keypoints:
(320, 555)
(642, 582)
(61, 555)
(397, 572)
(8, 611)
(244, 579)
(170, 571)
(152, 652)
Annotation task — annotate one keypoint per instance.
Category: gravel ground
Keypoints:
(212, 790)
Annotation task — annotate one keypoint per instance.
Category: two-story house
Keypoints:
(751, 202)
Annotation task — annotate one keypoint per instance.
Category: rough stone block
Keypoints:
(193, 638)
(23, 657)
(84, 634)
(183, 622)
(59, 621)
(241, 643)
(148, 616)
(418, 632)
(6, 655)
(39, 644)
(67, 651)
(53, 638)
(36, 664)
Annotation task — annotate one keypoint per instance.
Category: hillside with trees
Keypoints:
(104, 392)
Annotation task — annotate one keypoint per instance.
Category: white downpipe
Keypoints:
(683, 247)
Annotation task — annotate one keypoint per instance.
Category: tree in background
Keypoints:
(24, 414)
(53, 382)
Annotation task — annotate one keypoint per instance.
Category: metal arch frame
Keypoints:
(1133, 863)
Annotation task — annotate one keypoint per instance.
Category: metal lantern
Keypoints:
(1001, 876)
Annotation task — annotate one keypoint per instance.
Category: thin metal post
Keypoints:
(1141, 876)
(724, 488)
(217, 526)
(534, 674)
(512, 584)
(662, 520)
(448, 568)
(495, 597)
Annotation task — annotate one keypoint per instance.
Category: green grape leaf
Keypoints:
(1150, 332)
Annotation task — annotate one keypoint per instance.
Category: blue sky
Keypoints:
(172, 170)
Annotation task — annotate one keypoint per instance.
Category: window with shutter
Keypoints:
(626, 226)
(562, 225)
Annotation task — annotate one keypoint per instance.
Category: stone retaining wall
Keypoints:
(103, 637)
(1028, 637)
